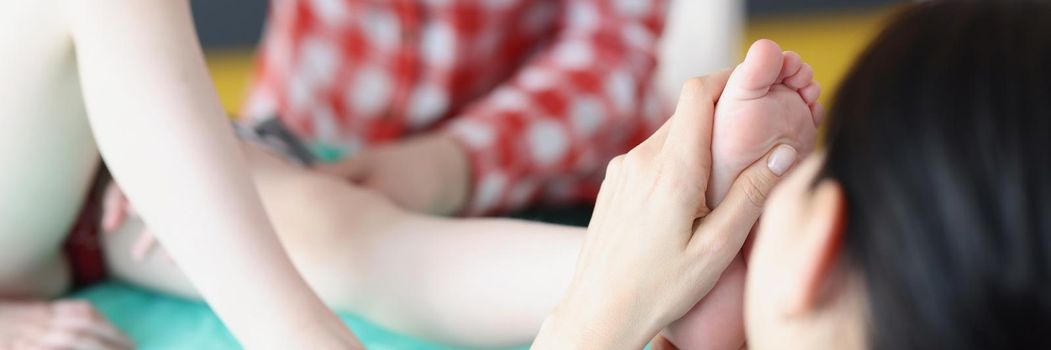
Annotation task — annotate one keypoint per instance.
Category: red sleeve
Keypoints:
(547, 133)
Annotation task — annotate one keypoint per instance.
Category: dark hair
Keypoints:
(941, 139)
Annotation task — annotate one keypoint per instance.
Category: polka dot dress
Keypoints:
(542, 93)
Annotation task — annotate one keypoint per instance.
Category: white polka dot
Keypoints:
(574, 54)
(548, 142)
(583, 16)
(370, 92)
(537, 79)
(299, 93)
(382, 28)
(511, 99)
(620, 86)
(332, 12)
(439, 44)
(428, 103)
(474, 134)
(586, 116)
(325, 126)
(521, 193)
(638, 37)
(318, 61)
(632, 8)
(278, 51)
(260, 103)
(489, 190)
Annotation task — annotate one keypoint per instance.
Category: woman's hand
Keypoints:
(60, 324)
(653, 248)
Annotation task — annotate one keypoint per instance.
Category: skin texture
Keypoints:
(770, 99)
(684, 240)
(439, 278)
(121, 47)
(800, 295)
(365, 242)
(800, 290)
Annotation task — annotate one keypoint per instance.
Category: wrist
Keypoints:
(596, 323)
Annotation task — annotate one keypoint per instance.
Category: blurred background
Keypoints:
(701, 36)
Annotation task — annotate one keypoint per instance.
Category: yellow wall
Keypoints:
(828, 41)
(231, 70)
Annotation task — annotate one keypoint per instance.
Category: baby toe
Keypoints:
(817, 111)
(810, 93)
(802, 78)
(791, 66)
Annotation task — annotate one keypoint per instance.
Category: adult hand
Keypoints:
(62, 324)
(428, 174)
(653, 248)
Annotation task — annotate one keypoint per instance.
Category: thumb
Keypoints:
(742, 206)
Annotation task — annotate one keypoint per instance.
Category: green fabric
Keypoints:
(158, 321)
(327, 153)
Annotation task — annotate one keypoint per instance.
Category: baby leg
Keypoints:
(479, 283)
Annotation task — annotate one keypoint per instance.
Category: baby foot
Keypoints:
(770, 99)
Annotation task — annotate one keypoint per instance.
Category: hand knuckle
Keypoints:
(755, 189)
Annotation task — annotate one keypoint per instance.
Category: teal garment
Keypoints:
(326, 153)
(157, 321)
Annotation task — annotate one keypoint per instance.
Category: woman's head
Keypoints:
(927, 222)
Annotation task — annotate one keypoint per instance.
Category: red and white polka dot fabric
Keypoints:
(541, 92)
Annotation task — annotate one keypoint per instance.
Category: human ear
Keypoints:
(816, 253)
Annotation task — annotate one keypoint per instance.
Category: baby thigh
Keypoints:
(38, 209)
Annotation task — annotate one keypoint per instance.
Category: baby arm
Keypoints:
(463, 282)
(161, 130)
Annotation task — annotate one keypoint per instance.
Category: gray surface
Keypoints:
(229, 23)
(238, 23)
(769, 7)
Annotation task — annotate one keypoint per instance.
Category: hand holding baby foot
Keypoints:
(770, 99)
(653, 247)
(63, 324)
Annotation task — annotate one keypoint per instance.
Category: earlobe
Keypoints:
(820, 247)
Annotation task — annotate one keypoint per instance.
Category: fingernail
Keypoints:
(782, 159)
